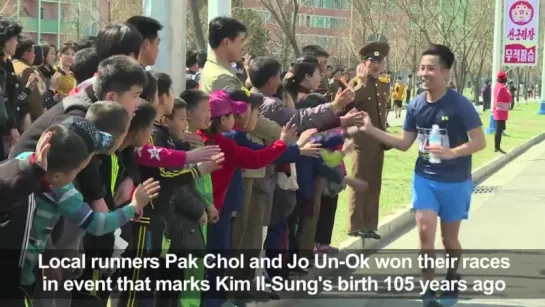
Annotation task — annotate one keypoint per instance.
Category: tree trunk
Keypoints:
(476, 89)
(526, 85)
(199, 36)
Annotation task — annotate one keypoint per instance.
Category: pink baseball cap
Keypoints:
(222, 104)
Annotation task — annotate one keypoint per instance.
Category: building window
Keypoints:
(42, 13)
(326, 22)
(308, 21)
(333, 4)
(308, 3)
(266, 16)
(301, 20)
(320, 22)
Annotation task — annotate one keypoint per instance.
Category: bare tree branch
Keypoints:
(285, 13)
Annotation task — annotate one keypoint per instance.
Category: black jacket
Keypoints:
(160, 209)
(183, 227)
(89, 179)
(16, 97)
(169, 178)
(18, 179)
(48, 99)
(106, 171)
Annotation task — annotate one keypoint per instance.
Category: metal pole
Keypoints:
(496, 60)
(39, 38)
(218, 8)
(351, 32)
(173, 38)
(18, 9)
(542, 92)
(59, 18)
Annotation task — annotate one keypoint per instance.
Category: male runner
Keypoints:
(439, 189)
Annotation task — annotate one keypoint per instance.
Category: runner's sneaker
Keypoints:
(450, 298)
(429, 299)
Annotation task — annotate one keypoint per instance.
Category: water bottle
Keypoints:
(434, 140)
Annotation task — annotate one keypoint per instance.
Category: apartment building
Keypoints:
(55, 21)
(322, 22)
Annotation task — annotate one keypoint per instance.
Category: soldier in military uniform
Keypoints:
(371, 96)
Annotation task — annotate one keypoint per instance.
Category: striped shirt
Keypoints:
(68, 203)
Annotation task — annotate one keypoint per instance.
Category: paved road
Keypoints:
(512, 217)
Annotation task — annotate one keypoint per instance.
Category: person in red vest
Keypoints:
(502, 102)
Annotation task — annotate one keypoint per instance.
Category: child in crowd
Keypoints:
(14, 230)
(159, 93)
(59, 197)
(66, 237)
(329, 198)
(176, 122)
(112, 170)
(198, 118)
(223, 109)
(186, 227)
(237, 195)
(293, 230)
(304, 220)
(148, 231)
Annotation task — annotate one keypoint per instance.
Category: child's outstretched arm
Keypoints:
(78, 212)
(254, 159)
(156, 156)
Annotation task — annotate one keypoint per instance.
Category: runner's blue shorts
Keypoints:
(450, 200)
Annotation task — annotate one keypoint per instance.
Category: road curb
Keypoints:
(397, 224)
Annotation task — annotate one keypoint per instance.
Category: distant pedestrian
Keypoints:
(486, 92)
(502, 102)
(398, 95)
(512, 90)
(409, 87)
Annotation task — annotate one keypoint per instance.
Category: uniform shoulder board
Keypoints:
(355, 80)
(384, 80)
